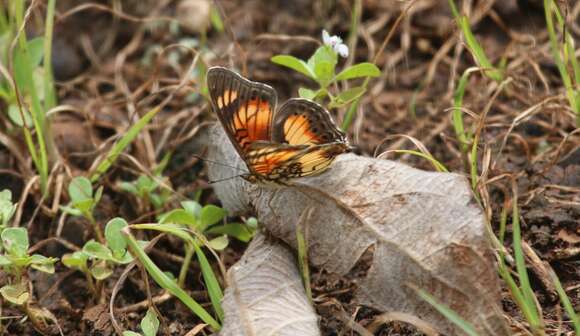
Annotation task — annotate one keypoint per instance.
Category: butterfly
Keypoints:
(299, 139)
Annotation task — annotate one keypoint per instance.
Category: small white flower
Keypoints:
(335, 43)
(342, 50)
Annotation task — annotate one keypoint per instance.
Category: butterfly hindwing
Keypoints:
(244, 108)
(304, 122)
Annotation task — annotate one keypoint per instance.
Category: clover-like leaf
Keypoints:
(179, 216)
(359, 70)
(80, 189)
(78, 259)
(7, 208)
(219, 243)
(115, 240)
(42, 263)
(294, 64)
(16, 294)
(101, 270)
(150, 323)
(211, 214)
(192, 207)
(97, 250)
(15, 241)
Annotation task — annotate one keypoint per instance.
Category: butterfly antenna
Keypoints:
(218, 163)
(225, 179)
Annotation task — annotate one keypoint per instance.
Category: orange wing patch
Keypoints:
(252, 122)
(226, 98)
(297, 129)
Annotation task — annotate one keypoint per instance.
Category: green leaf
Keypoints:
(237, 230)
(211, 214)
(77, 259)
(294, 64)
(84, 206)
(35, 46)
(347, 96)
(215, 19)
(4, 261)
(16, 294)
(7, 208)
(101, 271)
(192, 207)
(115, 240)
(306, 93)
(80, 189)
(179, 216)
(324, 71)
(71, 211)
(42, 263)
(131, 333)
(359, 70)
(15, 241)
(97, 250)
(252, 223)
(128, 187)
(16, 117)
(219, 243)
(150, 323)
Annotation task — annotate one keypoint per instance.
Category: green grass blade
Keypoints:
(120, 145)
(526, 288)
(436, 164)
(49, 94)
(447, 312)
(474, 46)
(167, 283)
(566, 302)
(213, 286)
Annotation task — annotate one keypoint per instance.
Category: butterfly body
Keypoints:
(299, 139)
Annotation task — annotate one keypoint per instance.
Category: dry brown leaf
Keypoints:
(423, 229)
(265, 295)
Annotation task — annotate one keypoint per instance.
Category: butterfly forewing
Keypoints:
(244, 108)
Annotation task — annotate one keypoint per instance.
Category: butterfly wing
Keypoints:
(304, 122)
(244, 108)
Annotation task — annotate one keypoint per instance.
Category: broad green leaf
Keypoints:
(84, 206)
(179, 216)
(122, 257)
(323, 54)
(347, 96)
(359, 70)
(150, 323)
(306, 93)
(211, 214)
(101, 271)
(295, 64)
(42, 263)
(71, 211)
(16, 294)
(16, 117)
(219, 243)
(192, 207)
(324, 71)
(80, 189)
(115, 240)
(237, 230)
(7, 208)
(128, 187)
(15, 241)
(77, 259)
(97, 250)
(131, 333)
(4, 261)
(35, 50)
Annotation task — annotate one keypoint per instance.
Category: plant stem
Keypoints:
(185, 265)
